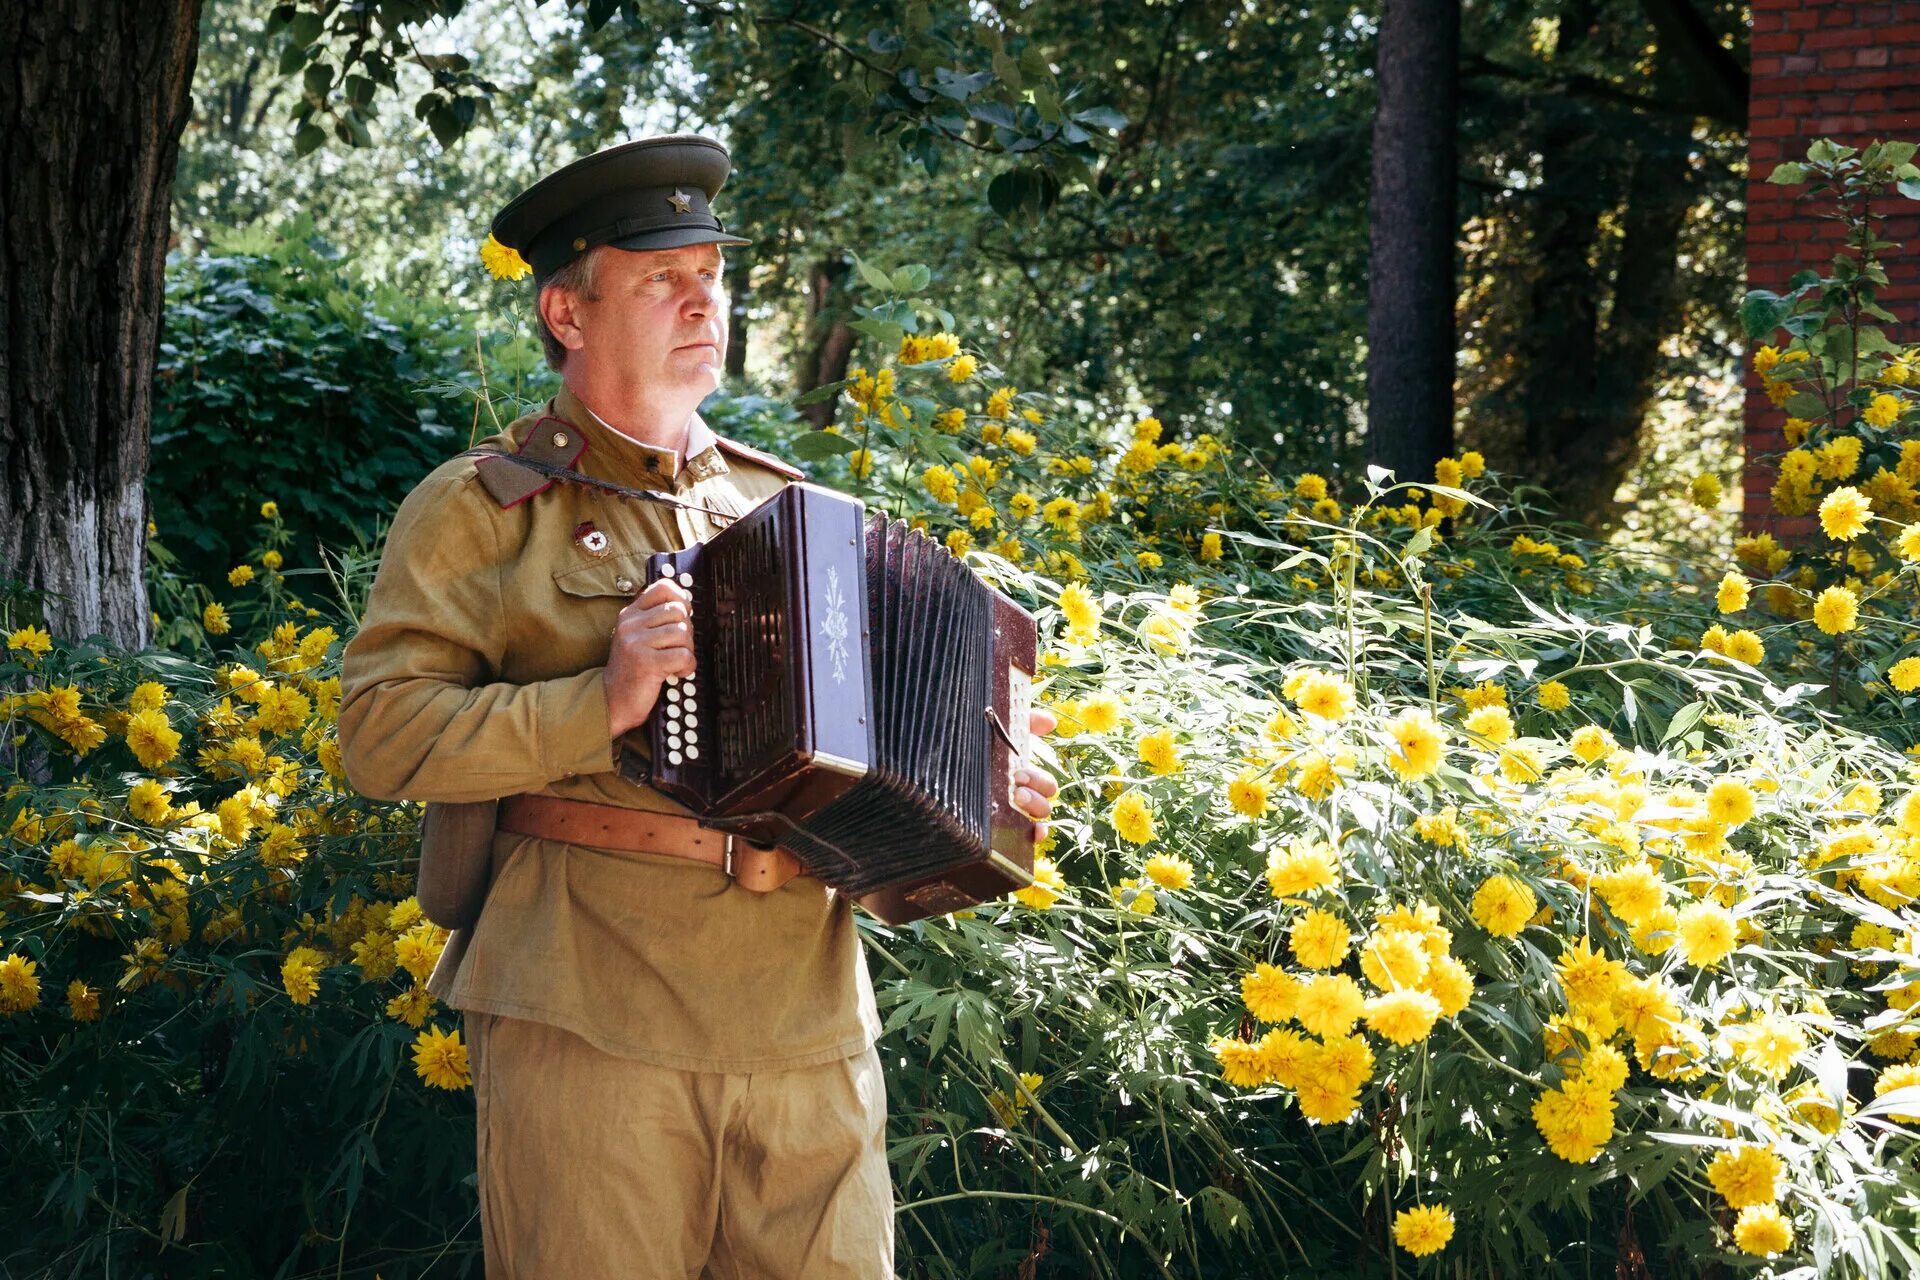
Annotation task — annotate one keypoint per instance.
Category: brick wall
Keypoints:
(1834, 69)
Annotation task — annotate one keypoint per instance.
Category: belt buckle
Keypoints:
(726, 856)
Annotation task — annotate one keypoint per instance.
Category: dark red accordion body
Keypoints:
(860, 698)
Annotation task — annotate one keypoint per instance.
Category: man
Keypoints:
(674, 1066)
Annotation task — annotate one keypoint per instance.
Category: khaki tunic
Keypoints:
(479, 671)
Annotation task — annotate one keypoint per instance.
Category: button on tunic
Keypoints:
(479, 671)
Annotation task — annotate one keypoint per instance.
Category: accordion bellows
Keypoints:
(860, 698)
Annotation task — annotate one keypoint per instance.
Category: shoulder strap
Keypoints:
(553, 442)
(766, 460)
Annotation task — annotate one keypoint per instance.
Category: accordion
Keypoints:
(860, 699)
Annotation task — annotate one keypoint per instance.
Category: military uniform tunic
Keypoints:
(479, 671)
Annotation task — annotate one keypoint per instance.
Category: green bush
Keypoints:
(280, 374)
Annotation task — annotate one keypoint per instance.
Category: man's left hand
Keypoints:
(1033, 787)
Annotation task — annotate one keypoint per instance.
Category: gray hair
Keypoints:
(580, 277)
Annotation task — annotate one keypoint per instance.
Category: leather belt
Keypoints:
(610, 826)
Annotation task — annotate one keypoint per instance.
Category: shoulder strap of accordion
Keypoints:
(766, 460)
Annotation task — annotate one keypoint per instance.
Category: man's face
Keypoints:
(659, 325)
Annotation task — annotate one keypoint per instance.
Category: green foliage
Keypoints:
(281, 375)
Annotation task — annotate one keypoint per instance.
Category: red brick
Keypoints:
(1841, 37)
(1765, 233)
(1775, 128)
(1871, 57)
(1765, 66)
(1797, 62)
(1777, 42)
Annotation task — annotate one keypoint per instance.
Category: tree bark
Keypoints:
(1410, 289)
(832, 340)
(93, 101)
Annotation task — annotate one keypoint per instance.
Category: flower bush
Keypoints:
(1431, 887)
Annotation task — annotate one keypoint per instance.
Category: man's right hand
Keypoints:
(652, 640)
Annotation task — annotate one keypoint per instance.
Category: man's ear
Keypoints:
(558, 308)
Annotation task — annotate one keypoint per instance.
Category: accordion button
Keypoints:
(673, 757)
(672, 681)
(686, 579)
(692, 703)
(693, 721)
(673, 694)
(693, 753)
(692, 737)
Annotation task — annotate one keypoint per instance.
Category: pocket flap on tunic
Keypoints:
(617, 575)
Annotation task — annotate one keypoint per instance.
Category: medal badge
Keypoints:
(591, 540)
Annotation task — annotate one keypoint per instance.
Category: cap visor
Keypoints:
(676, 238)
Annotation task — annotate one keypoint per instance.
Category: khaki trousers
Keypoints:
(593, 1165)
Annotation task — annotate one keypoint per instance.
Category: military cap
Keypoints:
(651, 193)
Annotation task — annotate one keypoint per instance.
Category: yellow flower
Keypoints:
(1320, 693)
(1836, 610)
(1240, 1062)
(1733, 593)
(1745, 1175)
(1844, 512)
(300, 974)
(1503, 905)
(1133, 817)
(240, 575)
(214, 619)
(32, 641)
(149, 802)
(1883, 411)
(1169, 871)
(1247, 793)
(1081, 611)
(1319, 939)
(1495, 724)
(1047, 885)
(1158, 752)
(1329, 1004)
(503, 262)
(1591, 742)
(151, 738)
(83, 1002)
(1745, 646)
(1706, 491)
(1302, 868)
(1403, 1016)
(411, 1006)
(1707, 933)
(1553, 696)
(19, 988)
(1730, 802)
(1099, 713)
(1909, 542)
(1423, 1229)
(1000, 403)
(440, 1059)
(1269, 993)
(1900, 1075)
(1904, 675)
(1210, 548)
(1762, 1230)
(1419, 738)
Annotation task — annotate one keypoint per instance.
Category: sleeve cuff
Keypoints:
(575, 734)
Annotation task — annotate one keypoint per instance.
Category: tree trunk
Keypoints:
(92, 107)
(1410, 292)
(1586, 468)
(832, 341)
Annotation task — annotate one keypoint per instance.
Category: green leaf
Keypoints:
(817, 446)
(1789, 174)
(1101, 118)
(874, 277)
(309, 137)
(1761, 313)
(1804, 404)
(1683, 719)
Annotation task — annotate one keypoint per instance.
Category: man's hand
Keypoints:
(1034, 788)
(652, 640)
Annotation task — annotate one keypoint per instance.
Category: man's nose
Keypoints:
(703, 300)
